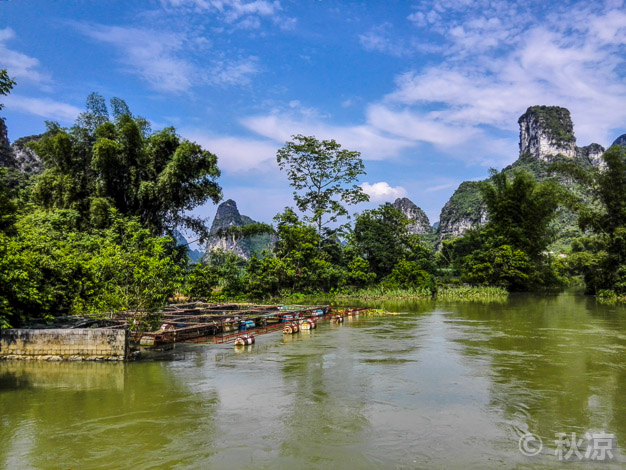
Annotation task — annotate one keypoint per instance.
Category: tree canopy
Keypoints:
(381, 237)
(100, 164)
(520, 210)
(510, 250)
(322, 175)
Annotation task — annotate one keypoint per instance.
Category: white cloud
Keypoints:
(235, 9)
(153, 56)
(233, 73)
(500, 58)
(44, 107)
(383, 192)
(237, 154)
(165, 59)
(440, 187)
(372, 144)
(230, 11)
(17, 64)
(380, 39)
(411, 125)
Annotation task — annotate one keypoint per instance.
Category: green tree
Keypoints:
(520, 210)
(200, 282)
(359, 274)
(381, 237)
(6, 84)
(98, 164)
(52, 268)
(265, 276)
(500, 266)
(297, 247)
(510, 250)
(322, 175)
(400, 260)
(8, 206)
(602, 259)
(409, 274)
(229, 269)
(296, 264)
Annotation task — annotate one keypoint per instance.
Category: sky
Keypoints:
(429, 92)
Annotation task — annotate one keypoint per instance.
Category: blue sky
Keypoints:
(429, 92)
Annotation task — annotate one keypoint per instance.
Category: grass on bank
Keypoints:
(382, 293)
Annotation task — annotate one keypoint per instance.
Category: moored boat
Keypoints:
(244, 340)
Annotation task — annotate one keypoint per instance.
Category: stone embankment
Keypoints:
(65, 344)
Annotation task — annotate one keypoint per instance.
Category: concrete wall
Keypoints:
(64, 344)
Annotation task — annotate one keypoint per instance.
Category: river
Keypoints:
(444, 385)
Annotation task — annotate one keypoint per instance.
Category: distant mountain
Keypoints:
(546, 136)
(194, 255)
(228, 216)
(621, 140)
(464, 210)
(419, 221)
(18, 155)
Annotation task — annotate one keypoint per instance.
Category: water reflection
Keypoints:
(93, 415)
(443, 385)
(556, 364)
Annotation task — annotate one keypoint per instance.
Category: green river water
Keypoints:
(445, 385)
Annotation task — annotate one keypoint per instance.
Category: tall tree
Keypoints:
(509, 251)
(98, 164)
(381, 237)
(520, 210)
(323, 176)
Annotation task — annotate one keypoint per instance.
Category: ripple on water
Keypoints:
(438, 387)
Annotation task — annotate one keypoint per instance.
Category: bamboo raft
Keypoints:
(237, 323)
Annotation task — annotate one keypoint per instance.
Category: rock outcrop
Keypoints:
(545, 132)
(26, 160)
(546, 135)
(419, 221)
(18, 155)
(228, 216)
(463, 211)
(592, 154)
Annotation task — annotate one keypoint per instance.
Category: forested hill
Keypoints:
(546, 136)
(228, 216)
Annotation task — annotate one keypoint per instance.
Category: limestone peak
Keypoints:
(547, 131)
(419, 223)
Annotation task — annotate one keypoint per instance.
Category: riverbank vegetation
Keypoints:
(94, 232)
(443, 292)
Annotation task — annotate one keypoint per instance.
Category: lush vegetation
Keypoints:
(510, 250)
(50, 266)
(600, 256)
(379, 251)
(100, 164)
(94, 232)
